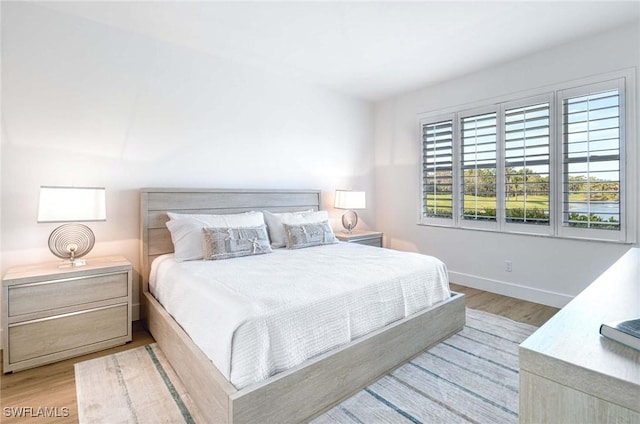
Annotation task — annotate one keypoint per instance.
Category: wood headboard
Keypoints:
(156, 202)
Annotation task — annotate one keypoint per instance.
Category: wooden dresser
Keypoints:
(571, 374)
(51, 313)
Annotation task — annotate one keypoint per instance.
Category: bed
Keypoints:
(306, 390)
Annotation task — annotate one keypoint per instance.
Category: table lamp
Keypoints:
(349, 200)
(71, 204)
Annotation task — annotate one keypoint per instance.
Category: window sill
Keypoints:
(528, 234)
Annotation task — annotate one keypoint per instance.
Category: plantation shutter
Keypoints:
(478, 166)
(527, 135)
(437, 151)
(591, 161)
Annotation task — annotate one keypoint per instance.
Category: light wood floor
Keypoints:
(514, 309)
(54, 386)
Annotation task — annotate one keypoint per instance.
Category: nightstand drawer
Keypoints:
(377, 242)
(55, 294)
(368, 238)
(33, 339)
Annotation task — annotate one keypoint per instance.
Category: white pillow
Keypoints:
(186, 230)
(276, 221)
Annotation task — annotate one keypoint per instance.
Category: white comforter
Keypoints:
(258, 315)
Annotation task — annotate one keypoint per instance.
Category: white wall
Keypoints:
(544, 270)
(89, 105)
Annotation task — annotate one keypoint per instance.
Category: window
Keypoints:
(592, 175)
(591, 160)
(437, 159)
(526, 164)
(479, 167)
(551, 163)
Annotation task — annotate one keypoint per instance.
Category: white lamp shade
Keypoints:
(350, 200)
(72, 204)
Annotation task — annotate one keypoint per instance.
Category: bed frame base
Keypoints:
(312, 388)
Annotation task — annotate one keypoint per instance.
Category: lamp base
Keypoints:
(70, 242)
(349, 221)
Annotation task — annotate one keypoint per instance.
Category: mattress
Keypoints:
(258, 315)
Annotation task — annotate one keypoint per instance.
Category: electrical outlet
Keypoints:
(508, 266)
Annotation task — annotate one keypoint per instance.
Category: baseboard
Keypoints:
(530, 294)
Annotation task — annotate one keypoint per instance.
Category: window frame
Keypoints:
(624, 80)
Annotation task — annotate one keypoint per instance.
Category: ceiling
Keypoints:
(369, 50)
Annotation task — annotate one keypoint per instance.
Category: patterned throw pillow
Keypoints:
(225, 243)
(307, 235)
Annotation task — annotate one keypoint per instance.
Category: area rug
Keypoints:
(470, 377)
(135, 386)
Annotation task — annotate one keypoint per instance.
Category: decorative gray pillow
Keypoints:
(224, 243)
(307, 235)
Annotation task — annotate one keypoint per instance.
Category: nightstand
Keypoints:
(370, 238)
(51, 313)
